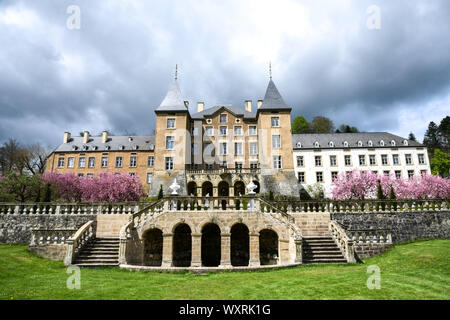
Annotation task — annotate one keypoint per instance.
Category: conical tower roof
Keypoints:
(273, 99)
(173, 100)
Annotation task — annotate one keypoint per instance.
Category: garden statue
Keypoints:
(174, 187)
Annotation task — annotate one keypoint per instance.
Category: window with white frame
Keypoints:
(252, 130)
(133, 161)
(334, 175)
(150, 161)
(170, 142)
(209, 132)
(132, 174)
(223, 118)
(333, 161)
(384, 159)
(238, 130)
(170, 123)
(348, 160)
(82, 162)
(395, 159)
(300, 161)
(362, 160)
(398, 174)
(275, 121)
(408, 159)
(238, 149)
(70, 162)
(277, 164)
(386, 173)
(253, 165)
(410, 174)
(253, 148)
(61, 162)
(319, 177)
(318, 161)
(238, 165)
(104, 162)
(372, 160)
(276, 142)
(421, 158)
(91, 162)
(223, 148)
(119, 162)
(301, 177)
(169, 163)
(223, 130)
(149, 178)
(90, 175)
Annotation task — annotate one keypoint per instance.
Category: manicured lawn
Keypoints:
(419, 270)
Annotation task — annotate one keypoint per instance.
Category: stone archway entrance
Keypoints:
(240, 245)
(224, 191)
(182, 246)
(207, 189)
(192, 188)
(268, 247)
(153, 245)
(211, 245)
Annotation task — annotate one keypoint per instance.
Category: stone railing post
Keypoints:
(298, 251)
(69, 252)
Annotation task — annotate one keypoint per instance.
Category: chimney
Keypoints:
(260, 102)
(66, 138)
(104, 136)
(186, 104)
(85, 136)
(248, 105)
(200, 106)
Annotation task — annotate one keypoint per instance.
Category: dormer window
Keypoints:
(405, 142)
(360, 144)
(152, 147)
(370, 143)
(393, 143)
(331, 144)
(345, 144)
(135, 147)
(382, 143)
(74, 147)
(130, 139)
(299, 144)
(122, 147)
(85, 148)
(107, 147)
(316, 144)
(94, 147)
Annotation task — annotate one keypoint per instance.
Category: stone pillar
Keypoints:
(199, 191)
(167, 253)
(225, 250)
(196, 257)
(254, 250)
(231, 193)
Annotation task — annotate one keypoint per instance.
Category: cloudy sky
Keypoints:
(115, 70)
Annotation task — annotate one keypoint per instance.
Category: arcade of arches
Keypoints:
(222, 188)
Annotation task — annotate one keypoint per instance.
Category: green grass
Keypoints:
(418, 270)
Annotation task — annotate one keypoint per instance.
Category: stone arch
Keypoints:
(211, 245)
(153, 246)
(239, 245)
(268, 247)
(223, 188)
(256, 182)
(192, 188)
(182, 245)
(207, 188)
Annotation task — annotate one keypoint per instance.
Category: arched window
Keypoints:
(382, 143)
(360, 144)
(345, 144)
(299, 144)
(331, 144)
(393, 143)
(316, 144)
(405, 142)
(370, 143)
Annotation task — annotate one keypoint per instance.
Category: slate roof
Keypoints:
(307, 141)
(173, 100)
(115, 143)
(234, 110)
(273, 99)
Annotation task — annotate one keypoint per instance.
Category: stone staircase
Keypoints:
(100, 252)
(321, 250)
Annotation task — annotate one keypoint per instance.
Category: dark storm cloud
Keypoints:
(116, 69)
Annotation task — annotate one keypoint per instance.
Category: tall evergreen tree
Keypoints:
(431, 138)
(412, 137)
(444, 134)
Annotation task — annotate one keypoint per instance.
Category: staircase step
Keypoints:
(96, 265)
(99, 252)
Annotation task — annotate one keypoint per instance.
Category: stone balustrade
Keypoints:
(344, 242)
(42, 237)
(70, 208)
(75, 243)
(219, 171)
(370, 236)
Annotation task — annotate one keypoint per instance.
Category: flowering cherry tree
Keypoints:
(359, 185)
(111, 187)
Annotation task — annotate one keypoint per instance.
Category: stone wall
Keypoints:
(405, 226)
(17, 228)
(52, 251)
